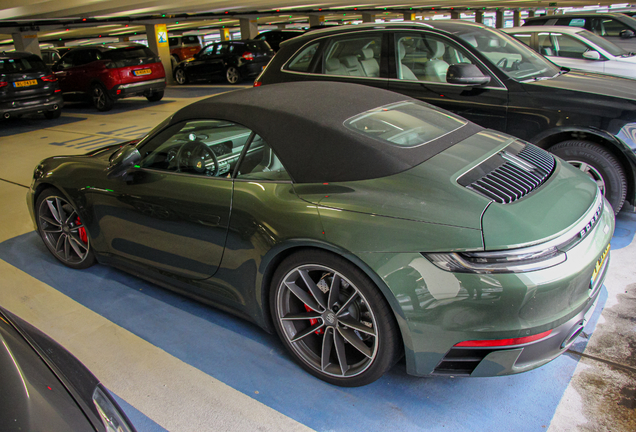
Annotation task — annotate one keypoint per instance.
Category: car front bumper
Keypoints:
(437, 309)
(142, 88)
(44, 103)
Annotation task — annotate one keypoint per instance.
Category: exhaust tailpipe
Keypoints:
(6, 115)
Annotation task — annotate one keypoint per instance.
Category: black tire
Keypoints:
(100, 98)
(52, 115)
(61, 231)
(155, 97)
(358, 327)
(180, 76)
(232, 75)
(601, 165)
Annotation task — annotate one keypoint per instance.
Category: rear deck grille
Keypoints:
(510, 174)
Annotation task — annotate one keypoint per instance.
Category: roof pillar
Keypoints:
(409, 16)
(516, 18)
(27, 41)
(249, 28)
(157, 36)
(455, 14)
(479, 16)
(316, 20)
(368, 17)
(499, 18)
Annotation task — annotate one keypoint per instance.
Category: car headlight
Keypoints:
(511, 261)
(113, 419)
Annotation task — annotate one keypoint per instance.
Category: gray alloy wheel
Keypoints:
(333, 319)
(180, 76)
(62, 230)
(232, 75)
(101, 99)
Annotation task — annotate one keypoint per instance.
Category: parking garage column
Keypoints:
(157, 35)
(516, 18)
(316, 20)
(27, 41)
(249, 28)
(530, 13)
(224, 33)
(368, 17)
(455, 14)
(479, 17)
(409, 16)
(499, 18)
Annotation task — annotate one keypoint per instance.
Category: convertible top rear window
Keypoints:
(405, 124)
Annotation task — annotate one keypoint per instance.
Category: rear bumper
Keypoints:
(249, 70)
(142, 88)
(45, 103)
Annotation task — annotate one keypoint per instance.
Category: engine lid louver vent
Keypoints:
(511, 174)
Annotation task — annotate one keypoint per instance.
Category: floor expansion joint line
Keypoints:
(602, 360)
(17, 184)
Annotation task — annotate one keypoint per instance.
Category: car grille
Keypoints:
(511, 174)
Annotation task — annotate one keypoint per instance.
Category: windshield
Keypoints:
(406, 124)
(603, 43)
(510, 56)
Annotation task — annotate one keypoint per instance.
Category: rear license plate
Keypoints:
(142, 72)
(25, 83)
(599, 265)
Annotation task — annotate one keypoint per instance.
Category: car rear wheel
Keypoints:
(101, 99)
(180, 76)
(62, 230)
(174, 60)
(232, 75)
(333, 319)
(599, 164)
(155, 97)
(51, 115)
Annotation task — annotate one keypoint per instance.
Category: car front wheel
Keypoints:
(333, 319)
(62, 230)
(599, 164)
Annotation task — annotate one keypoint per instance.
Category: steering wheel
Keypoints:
(194, 157)
(502, 63)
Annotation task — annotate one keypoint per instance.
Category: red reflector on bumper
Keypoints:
(503, 342)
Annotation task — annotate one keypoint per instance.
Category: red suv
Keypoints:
(106, 73)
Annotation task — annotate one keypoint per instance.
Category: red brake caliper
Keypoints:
(313, 321)
(81, 231)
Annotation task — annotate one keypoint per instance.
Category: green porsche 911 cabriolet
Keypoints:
(359, 224)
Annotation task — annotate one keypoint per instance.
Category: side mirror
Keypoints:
(466, 74)
(627, 34)
(125, 158)
(592, 55)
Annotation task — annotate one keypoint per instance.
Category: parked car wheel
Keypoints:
(51, 115)
(180, 76)
(62, 230)
(101, 99)
(155, 97)
(232, 75)
(333, 319)
(599, 164)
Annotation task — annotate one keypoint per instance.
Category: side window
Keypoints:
(221, 49)
(425, 57)
(302, 60)
(572, 22)
(207, 51)
(546, 45)
(261, 163)
(569, 47)
(354, 56)
(526, 38)
(201, 147)
(68, 60)
(612, 27)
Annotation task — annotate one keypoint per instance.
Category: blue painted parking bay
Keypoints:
(255, 363)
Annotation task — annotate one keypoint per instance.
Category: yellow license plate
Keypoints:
(142, 72)
(599, 264)
(25, 83)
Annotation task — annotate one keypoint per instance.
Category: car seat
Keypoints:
(436, 68)
(404, 72)
(369, 64)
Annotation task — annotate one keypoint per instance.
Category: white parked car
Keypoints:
(577, 48)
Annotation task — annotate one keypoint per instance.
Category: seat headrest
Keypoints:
(437, 49)
(349, 61)
(367, 53)
(332, 64)
(401, 50)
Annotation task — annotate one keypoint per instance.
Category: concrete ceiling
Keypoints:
(73, 19)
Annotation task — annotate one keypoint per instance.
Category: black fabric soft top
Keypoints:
(303, 123)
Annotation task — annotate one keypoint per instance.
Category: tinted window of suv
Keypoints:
(129, 56)
(258, 46)
(29, 64)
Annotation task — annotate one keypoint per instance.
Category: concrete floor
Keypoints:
(161, 355)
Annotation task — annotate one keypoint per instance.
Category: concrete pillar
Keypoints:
(281, 26)
(27, 41)
(516, 18)
(59, 43)
(479, 17)
(368, 17)
(124, 38)
(225, 34)
(157, 36)
(531, 13)
(409, 16)
(316, 20)
(499, 19)
(249, 28)
(550, 11)
(455, 14)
